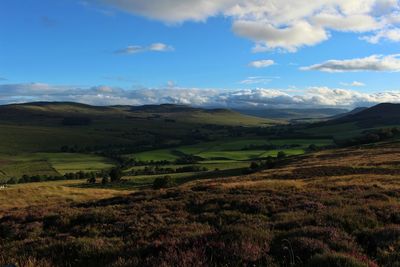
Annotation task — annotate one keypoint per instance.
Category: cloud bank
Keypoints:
(279, 24)
(245, 98)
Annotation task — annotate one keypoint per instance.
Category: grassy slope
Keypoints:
(67, 162)
(37, 128)
(50, 193)
(343, 204)
(232, 149)
(379, 116)
(51, 164)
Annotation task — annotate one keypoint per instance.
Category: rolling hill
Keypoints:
(357, 121)
(48, 126)
(293, 114)
(36, 137)
(352, 112)
(381, 114)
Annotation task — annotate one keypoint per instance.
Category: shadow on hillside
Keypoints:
(135, 183)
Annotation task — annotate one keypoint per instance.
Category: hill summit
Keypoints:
(379, 115)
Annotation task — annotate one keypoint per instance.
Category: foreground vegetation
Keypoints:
(332, 208)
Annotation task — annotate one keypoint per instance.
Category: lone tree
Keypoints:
(104, 181)
(312, 147)
(115, 175)
(254, 165)
(281, 155)
(162, 182)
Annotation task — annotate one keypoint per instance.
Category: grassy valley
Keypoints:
(173, 185)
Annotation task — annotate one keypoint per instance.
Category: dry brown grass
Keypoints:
(50, 193)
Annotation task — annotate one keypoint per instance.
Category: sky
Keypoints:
(211, 53)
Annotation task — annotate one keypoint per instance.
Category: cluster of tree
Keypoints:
(269, 147)
(42, 178)
(313, 147)
(188, 159)
(156, 170)
(370, 137)
(268, 163)
(113, 176)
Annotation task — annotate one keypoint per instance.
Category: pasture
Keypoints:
(51, 164)
(237, 149)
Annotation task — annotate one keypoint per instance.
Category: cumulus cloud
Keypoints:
(134, 49)
(278, 24)
(244, 98)
(385, 34)
(261, 63)
(390, 63)
(268, 36)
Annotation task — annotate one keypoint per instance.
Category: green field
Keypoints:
(233, 149)
(51, 164)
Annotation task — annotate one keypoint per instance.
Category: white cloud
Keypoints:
(257, 80)
(172, 11)
(261, 63)
(160, 47)
(245, 98)
(354, 23)
(277, 24)
(290, 38)
(354, 84)
(385, 34)
(134, 49)
(390, 63)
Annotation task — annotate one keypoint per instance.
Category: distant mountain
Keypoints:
(173, 108)
(352, 112)
(35, 110)
(50, 111)
(382, 114)
(293, 114)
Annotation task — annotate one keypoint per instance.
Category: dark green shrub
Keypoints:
(312, 147)
(12, 180)
(115, 174)
(162, 182)
(281, 155)
(91, 180)
(254, 165)
(104, 181)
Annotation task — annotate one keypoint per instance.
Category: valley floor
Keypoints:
(331, 208)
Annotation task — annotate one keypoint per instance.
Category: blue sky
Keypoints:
(122, 51)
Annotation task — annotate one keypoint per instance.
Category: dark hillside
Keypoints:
(293, 114)
(382, 114)
(352, 112)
